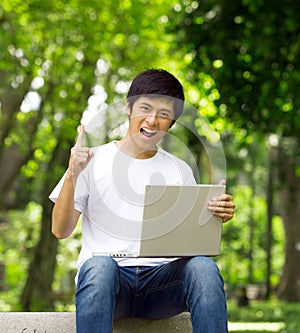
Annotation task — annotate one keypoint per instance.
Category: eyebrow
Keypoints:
(147, 104)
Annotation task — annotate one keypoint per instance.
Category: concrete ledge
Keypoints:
(64, 322)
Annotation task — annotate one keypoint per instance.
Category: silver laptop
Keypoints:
(177, 223)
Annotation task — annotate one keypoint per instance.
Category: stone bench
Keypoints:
(64, 322)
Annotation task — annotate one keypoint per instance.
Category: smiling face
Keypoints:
(150, 119)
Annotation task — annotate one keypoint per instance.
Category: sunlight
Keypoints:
(31, 102)
(263, 326)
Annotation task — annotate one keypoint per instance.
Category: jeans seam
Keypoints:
(136, 294)
(165, 286)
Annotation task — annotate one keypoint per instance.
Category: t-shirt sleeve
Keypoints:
(81, 191)
(55, 192)
(189, 178)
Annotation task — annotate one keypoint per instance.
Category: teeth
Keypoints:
(148, 130)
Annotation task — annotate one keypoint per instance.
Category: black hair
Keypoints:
(160, 83)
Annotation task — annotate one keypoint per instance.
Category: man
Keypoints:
(105, 185)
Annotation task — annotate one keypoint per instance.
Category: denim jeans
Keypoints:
(106, 292)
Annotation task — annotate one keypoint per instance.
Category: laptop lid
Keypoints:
(176, 221)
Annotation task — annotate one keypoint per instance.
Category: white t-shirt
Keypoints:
(109, 193)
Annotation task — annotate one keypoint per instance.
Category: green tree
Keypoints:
(251, 49)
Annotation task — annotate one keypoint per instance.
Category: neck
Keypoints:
(128, 147)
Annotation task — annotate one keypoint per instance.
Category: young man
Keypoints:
(105, 185)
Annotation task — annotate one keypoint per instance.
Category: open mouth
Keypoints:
(148, 132)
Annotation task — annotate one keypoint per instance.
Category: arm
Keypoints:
(64, 214)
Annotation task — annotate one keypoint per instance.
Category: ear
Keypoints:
(128, 108)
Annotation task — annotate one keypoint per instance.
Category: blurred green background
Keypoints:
(66, 62)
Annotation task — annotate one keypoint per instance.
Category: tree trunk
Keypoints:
(269, 238)
(37, 292)
(289, 287)
(252, 223)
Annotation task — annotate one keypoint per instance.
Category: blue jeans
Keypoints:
(106, 292)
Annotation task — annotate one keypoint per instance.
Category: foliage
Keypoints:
(250, 49)
(59, 59)
(235, 243)
(272, 311)
(19, 235)
(53, 55)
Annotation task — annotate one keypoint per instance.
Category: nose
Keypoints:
(151, 119)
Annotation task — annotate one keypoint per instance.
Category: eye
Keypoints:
(145, 108)
(165, 114)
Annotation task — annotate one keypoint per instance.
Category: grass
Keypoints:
(264, 317)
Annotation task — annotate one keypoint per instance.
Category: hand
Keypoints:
(222, 206)
(80, 156)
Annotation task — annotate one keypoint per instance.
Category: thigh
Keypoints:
(167, 290)
(97, 287)
(98, 271)
(102, 283)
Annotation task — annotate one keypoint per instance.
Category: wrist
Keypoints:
(70, 176)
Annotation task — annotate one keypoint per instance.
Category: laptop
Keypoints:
(177, 223)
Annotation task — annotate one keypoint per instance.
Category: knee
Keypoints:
(98, 270)
(203, 270)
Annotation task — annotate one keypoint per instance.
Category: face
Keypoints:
(150, 119)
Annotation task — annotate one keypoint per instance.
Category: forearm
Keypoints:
(64, 215)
